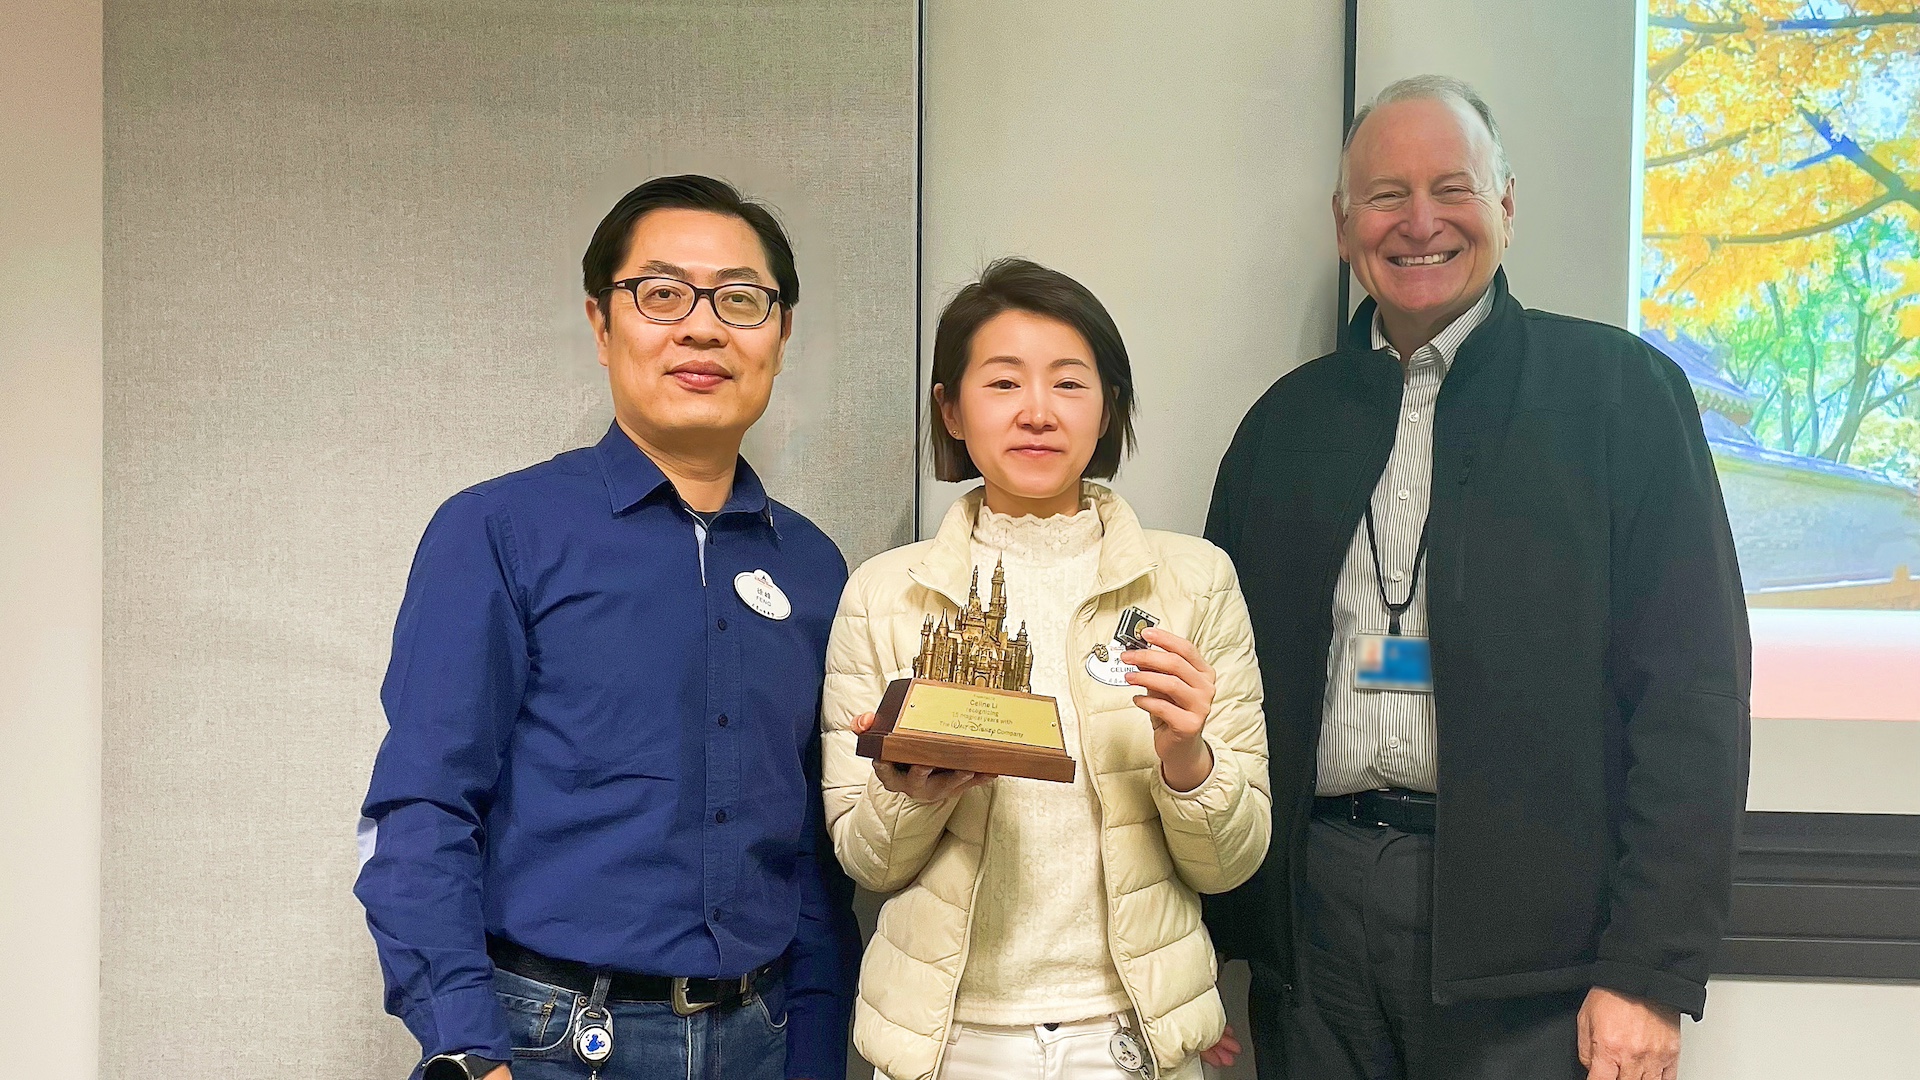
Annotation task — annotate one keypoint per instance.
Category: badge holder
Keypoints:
(1126, 1049)
(1393, 661)
(593, 1032)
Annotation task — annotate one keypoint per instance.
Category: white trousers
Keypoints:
(1074, 1051)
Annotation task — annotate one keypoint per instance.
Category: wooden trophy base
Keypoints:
(970, 729)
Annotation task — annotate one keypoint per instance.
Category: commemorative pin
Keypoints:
(1133, 622)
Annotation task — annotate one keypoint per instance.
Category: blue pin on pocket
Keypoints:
(1392, 662)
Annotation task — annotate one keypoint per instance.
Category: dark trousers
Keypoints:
(1361, 1005)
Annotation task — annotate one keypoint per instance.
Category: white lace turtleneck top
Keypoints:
(1039, 951)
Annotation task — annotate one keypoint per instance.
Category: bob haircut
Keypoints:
(1014, 284)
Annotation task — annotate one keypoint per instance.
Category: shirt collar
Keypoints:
(1445, 344)
(632, 478)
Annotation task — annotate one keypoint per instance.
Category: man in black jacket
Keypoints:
(1505, 647)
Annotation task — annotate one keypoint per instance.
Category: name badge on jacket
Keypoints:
(1392, 662)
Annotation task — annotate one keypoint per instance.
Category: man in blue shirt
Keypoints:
(590, 844)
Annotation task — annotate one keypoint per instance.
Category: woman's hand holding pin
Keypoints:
(1179, 686)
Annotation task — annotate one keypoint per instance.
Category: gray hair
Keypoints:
(1428, 88)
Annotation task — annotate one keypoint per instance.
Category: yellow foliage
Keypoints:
(1910, 328)
(1734, 197)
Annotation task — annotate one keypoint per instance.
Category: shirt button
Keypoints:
(722, 624)
(1393, 744)
(719, 817)
(723, 716)
(1403, 493)
(1397, 576)
(716, 914)
(1414, 416)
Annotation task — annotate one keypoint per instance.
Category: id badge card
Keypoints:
(1392, 662)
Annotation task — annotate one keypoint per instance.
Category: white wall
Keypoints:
(1561, 79)
(1174, 159)
(1779, 1029)
(50, 431)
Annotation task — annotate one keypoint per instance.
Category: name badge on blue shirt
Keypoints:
(1392, 662)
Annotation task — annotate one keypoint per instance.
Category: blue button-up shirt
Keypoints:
(598, 751)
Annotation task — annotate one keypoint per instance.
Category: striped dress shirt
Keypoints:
(1384, 738)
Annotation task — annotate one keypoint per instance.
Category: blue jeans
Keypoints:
(748, 1042)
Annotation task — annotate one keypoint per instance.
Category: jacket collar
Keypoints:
(1125, 556)
(632, 478)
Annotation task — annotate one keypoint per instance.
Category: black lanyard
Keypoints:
(1394, 611)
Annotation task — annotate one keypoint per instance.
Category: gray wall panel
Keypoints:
(342, 251)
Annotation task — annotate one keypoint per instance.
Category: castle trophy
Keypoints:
(969, 704)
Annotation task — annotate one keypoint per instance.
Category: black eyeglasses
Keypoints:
(668, 300)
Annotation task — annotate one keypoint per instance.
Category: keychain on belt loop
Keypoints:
(1126, 1049)
(593, 1035)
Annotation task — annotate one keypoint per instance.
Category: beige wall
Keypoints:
(50, 299)
(1176, 160)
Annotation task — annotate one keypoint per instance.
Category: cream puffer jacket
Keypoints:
(1160, 848)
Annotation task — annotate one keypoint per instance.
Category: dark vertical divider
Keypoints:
(919, 255)
(1352, 45)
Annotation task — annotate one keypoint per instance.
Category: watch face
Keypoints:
(457, 1067)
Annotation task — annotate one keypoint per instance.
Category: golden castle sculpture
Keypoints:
(974, 649)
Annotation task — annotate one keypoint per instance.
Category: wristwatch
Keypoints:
(459, 1067)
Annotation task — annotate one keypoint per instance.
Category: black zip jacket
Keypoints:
(1591, 660)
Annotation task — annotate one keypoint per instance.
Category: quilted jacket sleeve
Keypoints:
(1218, 832)
(882, 838)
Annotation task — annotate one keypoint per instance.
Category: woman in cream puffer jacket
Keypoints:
(1155, 848)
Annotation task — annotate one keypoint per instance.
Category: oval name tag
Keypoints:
(1103, 663)
(758, 592)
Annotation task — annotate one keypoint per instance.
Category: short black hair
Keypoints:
(1014, 284)
(690, 191)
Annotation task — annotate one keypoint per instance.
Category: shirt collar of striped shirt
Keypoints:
(1446, 344)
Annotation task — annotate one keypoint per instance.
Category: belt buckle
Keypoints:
(1371, 819)
(683, 1007)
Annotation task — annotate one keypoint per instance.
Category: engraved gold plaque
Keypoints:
(968, 706)
(972, 713)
